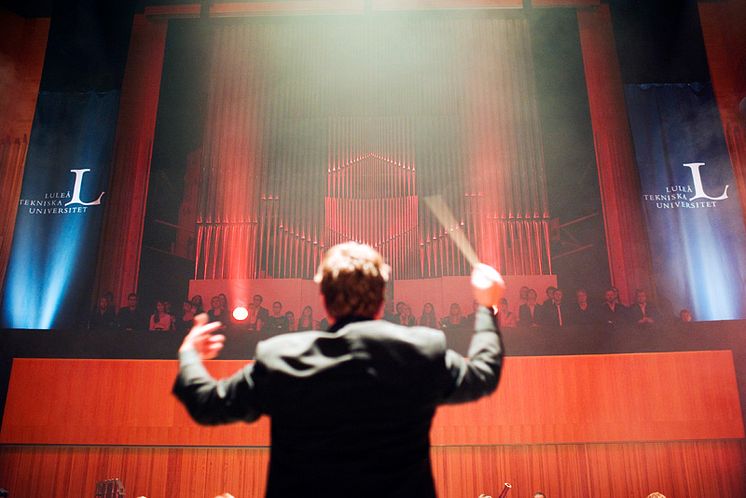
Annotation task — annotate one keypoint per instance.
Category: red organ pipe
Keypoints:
(332, 146)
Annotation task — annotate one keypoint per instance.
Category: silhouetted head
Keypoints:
(353, 279)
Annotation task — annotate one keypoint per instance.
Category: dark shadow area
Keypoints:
(579, 255)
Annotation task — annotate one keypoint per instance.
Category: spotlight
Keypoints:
(240, 313)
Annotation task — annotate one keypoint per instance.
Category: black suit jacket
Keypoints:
(525, 319)
(550, 314)
(635, 312)
(351, 408)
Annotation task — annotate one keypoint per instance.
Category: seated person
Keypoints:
(612, 312)
(555, 313)
(130, 317)
(404, 314)
(277, 322)
(643, 312)
(188, 312)
(103, 316)
(160, 320)
(291, 321)
(110, 299)
(581, 313)
(470, 316)
(257, 314)
(550, 295)
(217, 313)
(389, 314)
(505, 317)
(685, 316)
(428, 318)
(306, 321)
(529, 314)
(196, 300)
(522, 296)
(454, 320)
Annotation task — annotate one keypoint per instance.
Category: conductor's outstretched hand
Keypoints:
(201, 339)
(487, 284)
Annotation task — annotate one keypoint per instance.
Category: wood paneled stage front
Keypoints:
(590, 425)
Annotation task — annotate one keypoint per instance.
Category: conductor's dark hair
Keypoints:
(353, 279)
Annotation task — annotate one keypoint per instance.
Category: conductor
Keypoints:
(351, 408)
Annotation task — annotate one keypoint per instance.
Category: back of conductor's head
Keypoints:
(352, 278)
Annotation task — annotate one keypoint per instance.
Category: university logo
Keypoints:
(53, 203)
(687, 196)
(76, 189)
(699, 191)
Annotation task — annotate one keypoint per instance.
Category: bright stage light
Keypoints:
(240, 313)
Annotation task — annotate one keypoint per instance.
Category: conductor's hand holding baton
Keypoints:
(487, 285)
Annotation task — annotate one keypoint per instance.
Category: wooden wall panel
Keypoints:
(23, 45)
(555, 399)
(22, 49)
(701, 469)
(724, 32)
(121, 243)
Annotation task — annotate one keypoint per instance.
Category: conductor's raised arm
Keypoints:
(210, 401)
(478, 375)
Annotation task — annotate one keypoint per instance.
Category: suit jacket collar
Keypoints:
(342, 322)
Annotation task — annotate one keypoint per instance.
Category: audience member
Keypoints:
(554, 313)
(642, 312)
(306, 321)
(404, 314)
(506, 318)
(290, 316)
(130, 317)
(217, 313)
(612, 312)
(471, 316)
(388, 312)
(656, 494)
(539, 494)
(188, 311)
(257, 314)
(167, 308)
(102, 316)
(223, 302)
(581, 313)
(110, 299)
(277, 323)
(550, 295)
(529, 314)
(685, 315)
(454, 320)
(160, 320)
(522, 296)
(198, 304)
(428, 318)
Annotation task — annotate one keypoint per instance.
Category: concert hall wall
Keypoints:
(562, 126)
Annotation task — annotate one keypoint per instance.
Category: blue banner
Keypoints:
(690, 200)
(60, 211)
